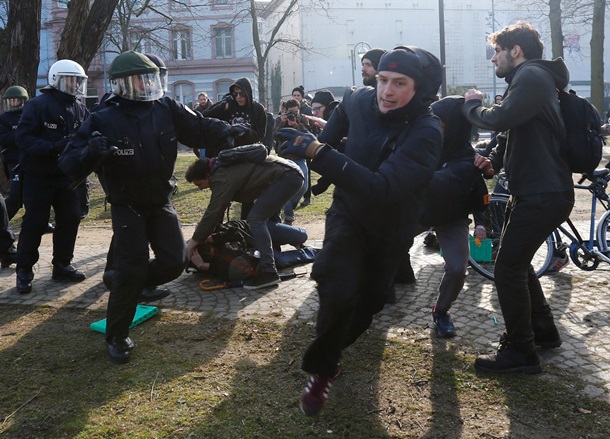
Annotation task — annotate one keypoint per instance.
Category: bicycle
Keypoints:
(586, 254)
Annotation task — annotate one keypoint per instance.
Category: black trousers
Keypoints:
(133, 270)
(40, 193)
(354, 271)
(528, 221)
(7, 238)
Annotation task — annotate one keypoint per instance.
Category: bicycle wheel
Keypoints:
(603, 233)
(483, 255)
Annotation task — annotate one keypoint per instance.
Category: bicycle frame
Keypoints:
(588, 254)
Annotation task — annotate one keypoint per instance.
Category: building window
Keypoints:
(221, 2)
(140, 42)
(222, 88)
(223, 42)
(184, 93)
(181, 44)
(62, 4)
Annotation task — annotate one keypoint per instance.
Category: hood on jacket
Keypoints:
(556, 67)
(427, 71)
(246, 86)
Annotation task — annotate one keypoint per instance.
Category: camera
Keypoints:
(291, 116)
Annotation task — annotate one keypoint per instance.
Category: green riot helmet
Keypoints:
(162, 69)
(135, 77)
(14, 98)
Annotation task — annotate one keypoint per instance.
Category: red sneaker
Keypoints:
(313, 398)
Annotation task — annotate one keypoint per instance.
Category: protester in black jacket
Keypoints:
(541, 185)
(134, 141)
(239, 107)
(393, 147)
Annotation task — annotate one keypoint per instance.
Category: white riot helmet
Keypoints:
(135, 77)
(68, 77)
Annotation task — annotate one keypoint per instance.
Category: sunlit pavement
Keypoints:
(580, 301)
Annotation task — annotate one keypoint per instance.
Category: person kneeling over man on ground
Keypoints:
(268, 181)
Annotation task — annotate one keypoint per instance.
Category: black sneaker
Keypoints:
(509, 360)
(262, 280)
(315, 395)
(69, 273)
(444, 324)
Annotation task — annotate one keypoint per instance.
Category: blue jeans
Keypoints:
(290, 205)
(270, 202)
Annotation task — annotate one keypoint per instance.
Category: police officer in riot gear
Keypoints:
(13, 100)
(47, 123)
(139, 181)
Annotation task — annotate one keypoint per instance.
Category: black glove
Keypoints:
(60, 145)
(229, 99)
(239, 129)
(97, 145)
(304, 147)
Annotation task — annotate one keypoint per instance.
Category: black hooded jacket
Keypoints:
(530, 115)
(252, 114)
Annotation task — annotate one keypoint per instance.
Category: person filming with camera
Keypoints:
(290, 117)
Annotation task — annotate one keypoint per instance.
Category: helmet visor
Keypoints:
(13, 104)
(141, 87)
(72, 85)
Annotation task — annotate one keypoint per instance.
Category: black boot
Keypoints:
(153, 294)
(119, 349)
(510, 358)
(8, 258)
(25, 276)
(68, 273)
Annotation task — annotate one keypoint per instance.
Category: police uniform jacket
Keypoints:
(140, 173)
(46, 120)
(8, 126)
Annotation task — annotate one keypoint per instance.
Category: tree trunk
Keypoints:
(22, 45)
(597, 55)
(556, 29)
(84, 30)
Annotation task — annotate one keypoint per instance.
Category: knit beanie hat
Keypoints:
(401, 61)
(300, 89)
(374, 55)
(324, 97)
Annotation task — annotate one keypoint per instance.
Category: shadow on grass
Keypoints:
(57, 381)
(263, 401)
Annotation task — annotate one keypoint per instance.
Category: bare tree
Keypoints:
(578, 14)
(84, 29)
(123, 34)
(597, 55)
(20, 51)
